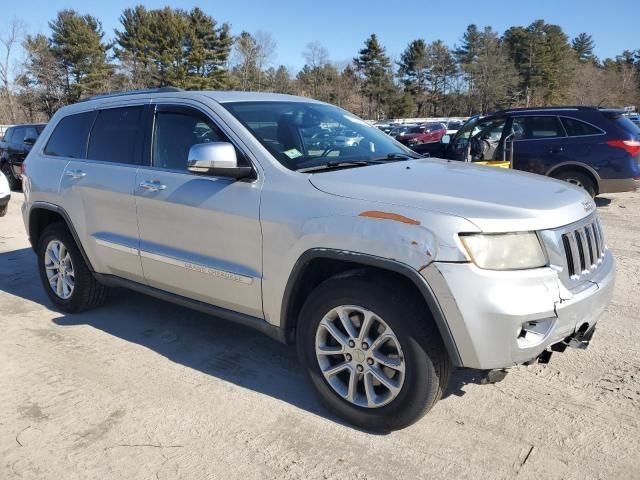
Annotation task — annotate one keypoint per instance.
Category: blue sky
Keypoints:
(342, 26)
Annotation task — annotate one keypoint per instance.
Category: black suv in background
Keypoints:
(14, 147)
(594, 148)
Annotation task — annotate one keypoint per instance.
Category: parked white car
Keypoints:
(5, 195)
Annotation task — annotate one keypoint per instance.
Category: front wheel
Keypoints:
(372, 351)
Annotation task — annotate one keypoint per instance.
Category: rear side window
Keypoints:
(69, 138)
(7, 135)
(18, 135)
(115, 134)
(530, 128)
(577, 128)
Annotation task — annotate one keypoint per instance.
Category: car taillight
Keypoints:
(23, 169)
(631, 146)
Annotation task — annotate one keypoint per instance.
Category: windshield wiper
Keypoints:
(391, 157)
(337, 164)
(395, 157)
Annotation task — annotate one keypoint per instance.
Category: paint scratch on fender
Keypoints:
(389, 216)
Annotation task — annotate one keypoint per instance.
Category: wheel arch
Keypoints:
(577, 167)
(316, 265)
(43, 214)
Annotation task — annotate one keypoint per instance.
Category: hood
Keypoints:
(494, 199)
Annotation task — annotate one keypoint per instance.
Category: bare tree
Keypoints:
(317, 57)
(265, 52)
(8, 41)
(244, 56)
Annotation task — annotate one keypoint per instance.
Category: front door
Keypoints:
(199, 235)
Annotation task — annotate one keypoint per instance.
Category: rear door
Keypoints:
(200, 235)
(539, 141)
(98, 190)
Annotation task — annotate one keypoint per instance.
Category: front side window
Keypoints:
(115, 134)
(175, 132)
(531, 128)
(31, 134)
(69, 138)
(304, 135)
(485, 139)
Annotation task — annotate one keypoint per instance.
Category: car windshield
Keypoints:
(304, 135)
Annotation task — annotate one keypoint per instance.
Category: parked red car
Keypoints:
(425, 133)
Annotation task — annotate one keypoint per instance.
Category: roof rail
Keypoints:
(132, 92)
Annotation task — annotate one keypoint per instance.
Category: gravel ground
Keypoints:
(142, 389)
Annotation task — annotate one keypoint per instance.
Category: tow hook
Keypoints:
(581, 338)
(493, 376)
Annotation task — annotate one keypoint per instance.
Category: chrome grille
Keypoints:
(583, 248)
(576, 250)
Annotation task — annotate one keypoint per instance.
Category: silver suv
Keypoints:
(384, 268)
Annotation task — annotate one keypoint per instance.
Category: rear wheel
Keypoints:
(372, 351)
(14, 183)
(64, 274)
(578, 179)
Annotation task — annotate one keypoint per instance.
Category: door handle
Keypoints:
(152, 185)
(557, 150)
(75, 174)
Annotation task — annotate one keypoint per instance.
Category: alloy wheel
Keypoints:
(360, 356)
(59, 269)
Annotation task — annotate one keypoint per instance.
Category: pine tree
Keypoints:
(583, 45)
(413, 70)
(77, 43)
(375, 68)
(207, 49)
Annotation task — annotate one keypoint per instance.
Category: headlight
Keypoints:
(505, 251)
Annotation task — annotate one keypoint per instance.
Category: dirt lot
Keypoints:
(143, 389)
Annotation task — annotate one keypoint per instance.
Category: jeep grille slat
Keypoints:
(583, 248)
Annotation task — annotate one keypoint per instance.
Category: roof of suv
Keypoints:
(557, 109)
(218, 96)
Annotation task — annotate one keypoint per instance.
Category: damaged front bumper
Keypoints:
(500, 319)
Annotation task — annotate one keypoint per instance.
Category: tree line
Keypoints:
(532, 65)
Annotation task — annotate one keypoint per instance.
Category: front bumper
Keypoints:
(501, 319)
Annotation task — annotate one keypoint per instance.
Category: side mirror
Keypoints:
(445, 139)
(217, 159)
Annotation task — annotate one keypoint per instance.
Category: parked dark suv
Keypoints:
(14, 147)
(597, 149)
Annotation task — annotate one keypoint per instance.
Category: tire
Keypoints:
(578, 179)
(87, 292)
(3, 210)
(427, 367)
(14, 183)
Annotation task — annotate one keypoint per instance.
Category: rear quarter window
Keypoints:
(578, 128)
(69, 137)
